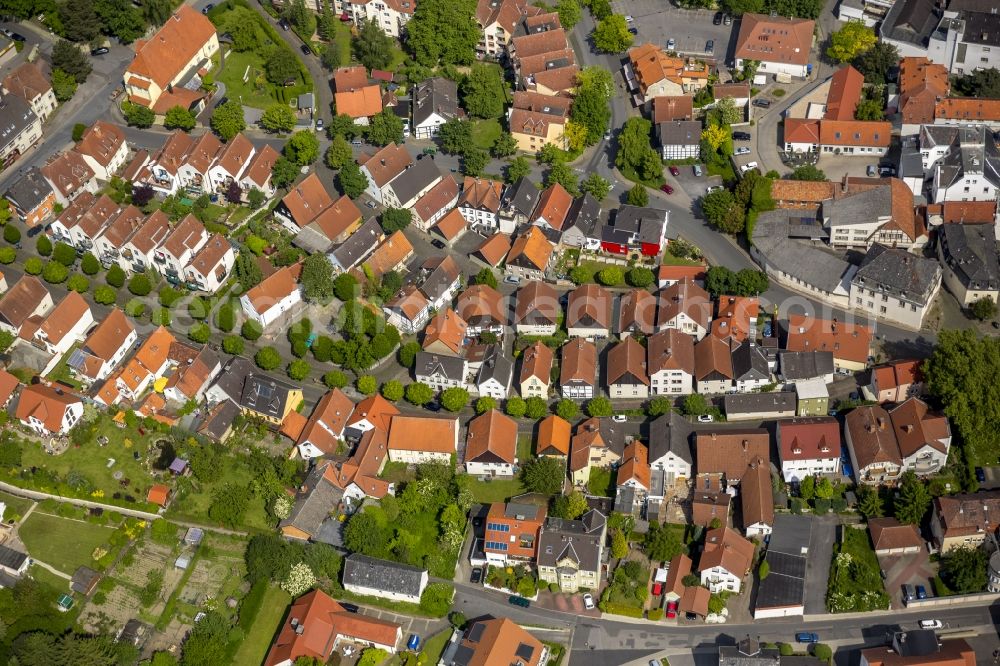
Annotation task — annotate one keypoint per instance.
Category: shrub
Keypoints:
(251, 330)
(78, 283)
(232, 344)
(55, 273)
(64, 253)
(89, 264)
(139, 285)
(367, 385)
(33, 266)
(11, 234)
(104, 295)
(7, 255)
(335, 379)
(200, 333)
(115, 276)
(298, 369)
(267, 358)
(43, 246)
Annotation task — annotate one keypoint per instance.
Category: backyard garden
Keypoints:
(855, 584)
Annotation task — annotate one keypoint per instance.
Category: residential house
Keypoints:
(738, 92)
(883, 444)
(511, 534)
(678, 139)
(415, 181)
(445, 334)
(483, 309)
(303, 204)
(637, 231)
(529, 256)
(964, 39)
(433, 205)
(311, 213)
(686, 307)
(391, 255)
(105, 348)
(760, 406)
(372, 413)
(626, 372)
(24, 128)
(781, 45)
(678, 567)
(231, 163)
(969, 257)
(498, 20)
(495, 374)
(920, 647)
(553, 438)
(354, 96)
(163, 171)
(880, 214)
(727, 454)
(813, 397)
(571, 552)
(578, 370)
(391, 16)
(713, 366)
(670, 448)
(84, 220)
(192, 370)
(736, 318)
(582, 226)
(850, 343)
(480, 202)
(65, 325)
(632, 480)
(757, 500)
(440, 371)
(801, 366)
(489, 638)
(211, 265)
(596, 443)
(963, 520)
(167, 68)
(179, 247)
(536, 370)
(808, 447)
(150, 361)
(921, 84)
(69, 176)
(890, 537)
(750, 367)
(710, 504)
(659, 74)
(725, 560)
(896, 381)
(30, 83)
(417, 439)
(317, 626)
(324, 430)
(667, 276)
(450, 228)
(518, 203)
(103, 148)
(636, 313)
(553, 208)
(491, 251)
(257, 175)
(26, 299)
(896, 285)
(48, 410)
(435, 102)
(491, 445)
(536, 119)
(588, 312)
(276, 295)
(409, 310)
(924, 437)
(371, 577)
(664, 108)
(31, 197)
(536, 309)
(136, 255)
(268, 399)
(229, 384)
(382, 168)
(357, 247)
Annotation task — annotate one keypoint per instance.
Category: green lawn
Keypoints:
(855, 584)
(15, 505)
(342, 40)
(248, 93)
(434, 647)
(485, 133)
(62, 543)
(193, 499)
(524, 448)
(497, 490)
(671, 260)
(254, 647)
(61, 373)
(601, 482)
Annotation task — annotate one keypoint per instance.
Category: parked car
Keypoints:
(588, 601)
(742, 150)
(931, 624)
(713, 188)
(762, 103)
(872, 171)
(697, 170)
(222, 101)
(741, 136)
(767, 329)
(518, 601)
(980, 475)
(657, 589)
(413, 643)
(666, 188)
(710, 47)
(806, 637)
(690, 616)
(99, 51)
(921, 592)
(285, 25)
(629, 19)
(512, 279)
(908, 593)
(705, 418)
(438, 243)
(356, 142)
(749, 166)
(674, 171)
(607, 135)
(305, 49)
(717, 19)
(633, 31)
(477, 576)
(727, 20)
(350, 608)
(619, 418)
(433, 406)
(887, 171)
(671, 609)
(671, 44)
(207, 8)
(319, 124)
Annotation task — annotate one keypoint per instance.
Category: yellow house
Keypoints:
(537, 119)
(268, 399)
(166, 62)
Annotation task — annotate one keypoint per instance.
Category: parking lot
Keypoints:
(690, 28)
(912, 569)
(836, 166)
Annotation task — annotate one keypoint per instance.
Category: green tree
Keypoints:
(487, 277)
(611, 35)
(877, 62)
(723, 212)
(139, 284)
(104, 295)
(232, 344)
(317, 278)
(267, 358)
(807, 488)
(543, 475)
(395, 219)
(33, 266)
(329, 57)
(590, 106)
(484, 90)
(121, 18)
(561, 173)
(869, 109)
(247, 272)
(11, 234)
(335, 379)
(392, 390)
(284, 172)
(963, 569)
(474, 161)
(43, 246)
(419, 393)
(89, 264)
(658, 406)
(343, 125)
(662, 543)
(726, 112)
(485, 404)
(455, 136)
(870, 503)
(599, 407)
(371, 46)
(137, 115)
(638, 196)
(8, 255)
(251, 330)
(69, 58)
(822, 652)
(255, 198)
(200, 333)
(914, 500)
(408, 354)
(505, 145)
(345, 287)
(351, 181)
(281, 65)
(55, 273)
(850, 41)
(156, 12)
(227, 120)
(454, 399)
(569, 13)
(78, 283)
(633, 144)
(515, 407)
(64, 253)
(640, 277)
(444, 32)
(386, 128)
(63, 85)
(277, 118)
(824, 489)
(983, 308)
(567, 409)
(518, 168)
(535, 408)
(619, 544)
(302, 148)
(596, 186)
(115, 276)
(178, 117)
(807, 172)
(610, 276)
(298, 369)
(695, 405)
(338, 154)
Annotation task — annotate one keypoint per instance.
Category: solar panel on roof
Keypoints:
(476, 632)
(77, 359)
(525, 652)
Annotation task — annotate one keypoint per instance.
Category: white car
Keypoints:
(705, 418)
(931, 624)
(671, 44)
(749, 166)
(742, 150)
(619, 418)
(629, 19)
(588, 601)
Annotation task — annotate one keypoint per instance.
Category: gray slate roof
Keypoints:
(435, 95)
(383, 575)
(10, 558)
(970, 251)
(759, 403)
(219, 419)
(898, 273)
(428, 364)
(29, 190)
(496, 365)
(749, 362)
(265, 395)
(520, 198)
(419, 176)
(671, 433)
(858, 208)
(233, 376)
(584, 215)
(645, 223)
(581, 540)
(805, 365)
(15, 117)
(313, 506)
(361, 243)
(910, 21)
(679, 133)
(810, 264)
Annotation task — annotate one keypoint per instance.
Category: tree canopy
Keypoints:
(851, 41)
(484, 91)
(444, 32)
(611, 35)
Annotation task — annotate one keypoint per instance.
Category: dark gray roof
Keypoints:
(584, 215)
(748, 652)
(435, 95)
(361, 243)
(809, 263)
(313, 503)
(915, 643)
(910, 21)
(982, 28)
(898, 273)
(520, 198)
(581, 540)
(970, 251)
(858, 208)
(790, 534)
(12, 559)
(671, 433)
(971, 152)
(496, 365)
(219, 419)
(230, 381)
(645, 225)
(759, 403)
(30, 190)
(265, 395)
(83, 580)
(625, 499)
(749, 362)
(417, 177)
(428, 364)
(383, 575)
(805, 365)
(679, 133)
(437, 276)
(15, 117)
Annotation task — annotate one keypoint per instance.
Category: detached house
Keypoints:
(725, 560)
(65, 324)
(626, 372)
(48, 410)
(571, 552)
(103, 148)
(491, 445)
(659, 74)
(809, 447)
(30, 83)
(391, 16)
(371, 577)
(727, 454)
(276, 295)
(480, 202)
(536, 370)
(578, 371)
(354, 96)
(679, 139)
(588, 312)
(553, 438)
(418, 439)
(960, 521)
(670, 449)
(536, 309)
(781, 45)
(26, 299)
(435, 102)
(381, 168)
(322, 433)
(670, 362)
(536, 119)
(596, 443)
(105, 347)
(511, 534)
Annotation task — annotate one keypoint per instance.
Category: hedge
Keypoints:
(251, 604)
(620, 609)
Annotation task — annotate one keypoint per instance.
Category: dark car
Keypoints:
(207, 8)
(921, 592)
(518, 601)
(222, 101)
(674, 171)
(477, 575)
(762, 103)
(633, 31)
(350, 608)
(438, 244)
(806, 637)
(717, 19)
(285, 25)
(434, 406)
(16, 36)
(980, 475)
(710, 47)
(908, 593)
(741, 136)
(305, 49)
(100, 50)
(666, 188)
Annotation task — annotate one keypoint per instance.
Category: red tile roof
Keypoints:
(774, 39)
(921, 84)
(967, 108)
(851, 342)
(163, 57)
(809, 438)
(844, 95)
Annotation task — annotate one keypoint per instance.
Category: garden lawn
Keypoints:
(601, 482)
(247, 93)
(434, 647)
(342, 40)
(62, 543)
(254, 647)
(15, 504)
(671, 260)
(497, 490)
(191, 503)
(485, 133)
(61, 372)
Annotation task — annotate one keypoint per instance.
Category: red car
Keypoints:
(671, 609)
(666, 188)
(657, 589)
(675, 171)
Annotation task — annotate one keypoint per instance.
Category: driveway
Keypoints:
(914, 569)
(821, 540)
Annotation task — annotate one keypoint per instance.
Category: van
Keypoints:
(762, 103)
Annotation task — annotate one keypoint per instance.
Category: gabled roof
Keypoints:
(188, 236)
(436, 95)
(423, 433)
(386, 164)
(684, 297)
(844, 95)
(259, 171)
(532, 113)
(538, 42)
(553, 206)
(774, 39)
(637, 312)
(972, 109)
(376, 410)
(536, 361)
(235, 155)
(921, 84)
(589, 306)
(890, 534)
(307, 200)
(896, 374)
(447, 328)
(375, 574)
(898, 273)
(634, 465)
(482, 305)
(393, 250)
(437, 198)
(579, 363)
(451, 226)
(45, 403)
(492, 438)
(627, 363)
(672, 107)
(63, 317)
(101, 141)
(725, 548)
(531, 250)
(755, 493)
(536, 303)
(326, 424)
(553, 436)
(481, 194)
(21, 300)
(68, 172)
(27, 81)
(274, 288)
(810, 438)
(916, 426)
(872, 437)
(163, 57)
(493, 249)
(670, 433)
(730, 452)
(670, 349)
(734, 316)
(847, 341)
